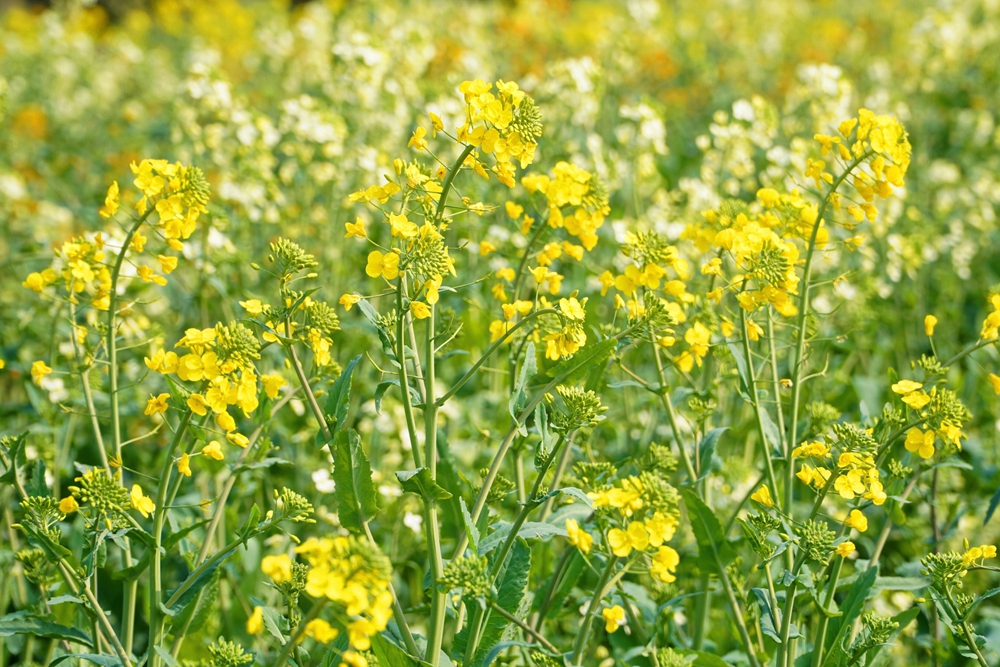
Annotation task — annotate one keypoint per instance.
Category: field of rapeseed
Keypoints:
(527, 332)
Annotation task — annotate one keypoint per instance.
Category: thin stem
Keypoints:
(524, 626)
(672, 416)
(755, 401)
(584, 634)
(293, 640)
(438, 602)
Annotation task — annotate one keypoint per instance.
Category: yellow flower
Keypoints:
(763, 496)
(184, 465)
(272, 384)
(769, 197)
(157, 404)
(321, 631)
(141, 502)
(857, 520)
(213, 450)
(921, 442)
(401, 226)
(514, 210)
(485, 248)
(111, 201)
(845, 549)
(279, 568)
(417, 141)
(35, 282)
(39, 370)
(578, 537)
(353, 659)
(420, 310)
(917, 399)
(660, 528)
(614, 618)
(905, 387)
(622, 542)
(255, 624)
(348, 300)
(929, 323)
(197, 404)
(850, 484)
(238, 439)
(253, 306)
(386, 265)
(68, 505)
(225, 421)
(355, 229)
(664, 564)
(995, 381)
(167, 263)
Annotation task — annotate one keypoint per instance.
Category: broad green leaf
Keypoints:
(391, 655)
(529, 530)
(510, 587)
(572, 369)
(14, 624)
(528, 369)
(357, 499)
(851, 609)
(706, 449)
(198, 582)
(420, 482)
(15, 452)
(994, 501)
(470, 527)
(769, 623)
(338, 401)
(572, 570)
(96, 658)
(713, 546)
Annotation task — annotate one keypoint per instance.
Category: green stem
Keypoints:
(293, 640)
(800, 344)
(584, 633)
(438, 602)
(755, 401)
(156, 619)
(831, 589)
(672, 415)
(524, 626)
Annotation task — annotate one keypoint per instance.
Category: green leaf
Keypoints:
(529, 530)
(572, 369)
(198, 581)
(528, 369)
(391, 655)
(419, 481)
(703, 659)
(769, 622)
(470, 527)
(164, 654)
(851, 609)
(37, 485)
(571, 575)
(706, 449)
(272, 619)
(16, 451)
(97, 659)
(510, 587)
(994, 501)
(338, 401)
(357, 499)
(13, 624)
(713, 546)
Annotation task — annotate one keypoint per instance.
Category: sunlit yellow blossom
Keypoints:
(157, 404)
(321, 631)
(578, 537)
(39, 370)
(929, 322)
(167, 263)
(845, 549)
(255, 624)
(272, 384)
(197, 404)
(857, 520)
(664, 564)
(763, 496)
(68, 505)
(279, 568)
(622, 542)
(386, 265)
(238, 439)
(995, 381)
(614, 618)
(348, 300)
(184, 465)
(921, 442)
(141, 502)
(420, 310)
(111, 201)
(213, 450)
(355, 229)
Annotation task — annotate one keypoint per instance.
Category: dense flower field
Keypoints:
(537, 333)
